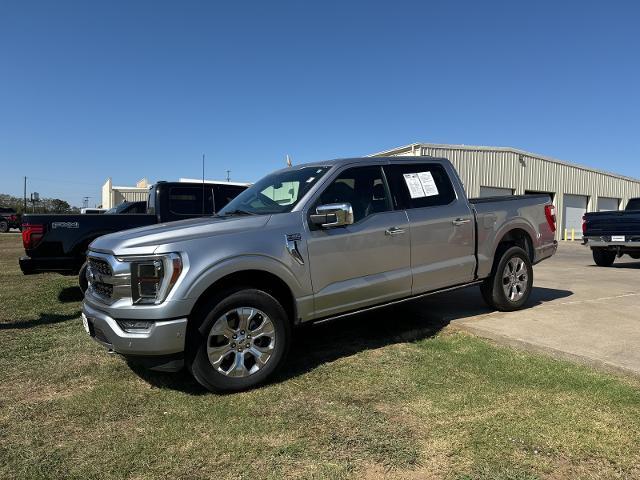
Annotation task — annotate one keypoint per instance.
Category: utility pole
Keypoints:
(25, 194)
(228, 175)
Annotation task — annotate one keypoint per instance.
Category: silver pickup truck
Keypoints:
(306, 244)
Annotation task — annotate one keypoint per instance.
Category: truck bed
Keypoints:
(65, 238)
(525, 212)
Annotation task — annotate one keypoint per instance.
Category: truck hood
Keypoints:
(145, 240)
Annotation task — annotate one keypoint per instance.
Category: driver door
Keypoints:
(368, 262)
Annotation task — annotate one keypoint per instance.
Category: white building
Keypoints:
(114, 195)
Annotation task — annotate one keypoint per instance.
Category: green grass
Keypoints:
(382, 395)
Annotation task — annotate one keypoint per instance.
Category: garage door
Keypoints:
(575, 206)
(607, 204)
(495, 192)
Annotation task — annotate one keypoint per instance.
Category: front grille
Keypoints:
(100, 266)
(103, 289)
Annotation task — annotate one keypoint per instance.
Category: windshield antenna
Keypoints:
(203, 184)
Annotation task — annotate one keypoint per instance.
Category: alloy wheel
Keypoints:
(241, 342)
(515, 278)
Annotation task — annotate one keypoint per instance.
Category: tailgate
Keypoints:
(612, 223)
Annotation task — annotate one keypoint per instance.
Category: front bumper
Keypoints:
(165, 338)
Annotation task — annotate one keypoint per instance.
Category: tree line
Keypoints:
(44, 205)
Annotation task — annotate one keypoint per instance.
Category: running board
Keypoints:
(394, 302)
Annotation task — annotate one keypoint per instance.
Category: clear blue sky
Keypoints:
(131, 89)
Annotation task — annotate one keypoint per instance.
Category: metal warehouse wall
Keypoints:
(521, 171)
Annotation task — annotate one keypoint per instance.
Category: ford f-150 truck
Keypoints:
(613, 234)
(306, 244)
(58, 243)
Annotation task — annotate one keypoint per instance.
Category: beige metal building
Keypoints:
(574, 189)
(115, 195)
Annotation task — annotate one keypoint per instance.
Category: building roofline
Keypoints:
(413, 146)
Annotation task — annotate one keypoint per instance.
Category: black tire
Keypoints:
(603, 257)
(197, 358)
(4, 226)
(493, 288)
(83, 283)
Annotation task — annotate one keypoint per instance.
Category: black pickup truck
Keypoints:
(613, 234)
(58, 243)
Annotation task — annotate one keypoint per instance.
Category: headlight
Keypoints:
(153, 277)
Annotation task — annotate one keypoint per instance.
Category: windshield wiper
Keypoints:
(237, 211)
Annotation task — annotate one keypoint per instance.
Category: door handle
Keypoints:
(461, 221)
(394, 231)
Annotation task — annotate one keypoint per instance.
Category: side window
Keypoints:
(225, 193)
(188, 201)
(419, 185)
(362, 187)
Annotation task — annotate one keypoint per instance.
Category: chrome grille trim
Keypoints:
(109, 279)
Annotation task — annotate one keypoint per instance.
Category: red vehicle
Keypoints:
(9, 218)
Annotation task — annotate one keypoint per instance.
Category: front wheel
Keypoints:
(4, 226)
(603, 257)
(510, 285)
(239, 341)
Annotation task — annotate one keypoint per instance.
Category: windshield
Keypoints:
(117, 209)
(275, 193)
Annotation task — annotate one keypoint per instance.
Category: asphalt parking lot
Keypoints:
(577, 311)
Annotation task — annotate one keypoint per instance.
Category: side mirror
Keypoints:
(333, 215)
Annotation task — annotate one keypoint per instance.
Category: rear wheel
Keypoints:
(241, 340)
(510, 285)
(603, 257)
(4, 226)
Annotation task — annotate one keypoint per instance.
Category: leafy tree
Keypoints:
(45, 205)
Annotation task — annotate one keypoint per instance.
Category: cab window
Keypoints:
(363, 188)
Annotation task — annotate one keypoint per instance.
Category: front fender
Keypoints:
(241, 263)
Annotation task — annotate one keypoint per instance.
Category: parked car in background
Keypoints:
(58, 243)
(613, 234)
(9, 219)
(306, 244)
(85, 211)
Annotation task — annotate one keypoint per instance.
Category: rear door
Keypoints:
(442, 225)
(365, 263)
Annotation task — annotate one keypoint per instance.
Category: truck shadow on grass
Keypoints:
(315, 345)
(406, 322)
(43, 319)
(70, 294)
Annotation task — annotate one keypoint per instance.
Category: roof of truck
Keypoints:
(369, 160)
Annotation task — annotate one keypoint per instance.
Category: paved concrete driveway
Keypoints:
(577, 310)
